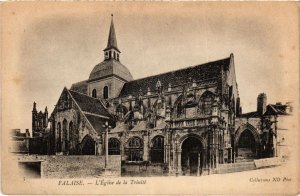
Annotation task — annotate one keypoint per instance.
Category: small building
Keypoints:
(19, 141)
(259, 134)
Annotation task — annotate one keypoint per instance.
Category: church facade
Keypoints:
(188, 121)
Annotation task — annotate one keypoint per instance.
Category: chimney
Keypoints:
(261, 103)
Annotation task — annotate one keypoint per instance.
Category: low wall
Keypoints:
(81, 166)
(235, 167)
(269, 162)
(129, 169)
(245, 166)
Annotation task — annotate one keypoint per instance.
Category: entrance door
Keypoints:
(246, 149)
(191, 161)
(88, 147)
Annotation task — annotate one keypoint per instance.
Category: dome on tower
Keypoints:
(110, 68)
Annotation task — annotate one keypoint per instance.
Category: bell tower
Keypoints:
(108, 77)
(111, 51)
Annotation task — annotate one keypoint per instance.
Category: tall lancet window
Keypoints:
(94, 93)
(105, 92)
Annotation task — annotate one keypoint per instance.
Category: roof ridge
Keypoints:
(180, 69)
(80, 109)
(80, 82)
(82, 94)
(273, 108)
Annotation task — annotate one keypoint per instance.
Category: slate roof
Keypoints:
(276, 109)
(80, 87)
(120, 128)
(96, 122)
(140, 126)
(250, 115)
(203, 72)
(272, 109)
(90, 104)
(109, 68)
(112, 40)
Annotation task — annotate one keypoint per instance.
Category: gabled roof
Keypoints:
(204, 72)
(272, 109)
(276, 109)
(90, 104)
(96, 122)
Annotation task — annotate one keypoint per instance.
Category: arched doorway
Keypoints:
(246, 146)
(113, 146)
(157, 149)
(88, 146)
(191, 154)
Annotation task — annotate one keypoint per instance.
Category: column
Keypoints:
(231, 157)
(198, 166)
(165, 153)
(106, 148)
(217, 157)
(204, 158)
(217, 148)
(99, 146)
(169, 157)
(179, 161)
(146, 148)
(122, 150)
(174, 159)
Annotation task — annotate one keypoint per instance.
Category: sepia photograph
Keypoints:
(150, 98)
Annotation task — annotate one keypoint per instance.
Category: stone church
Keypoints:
(187, 121)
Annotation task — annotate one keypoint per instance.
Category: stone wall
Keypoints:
(83, 166)
(234, 167)
(144, 170)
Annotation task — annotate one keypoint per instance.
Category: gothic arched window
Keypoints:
(65, 136)
(134, 149)
(94, 93)
(121, 111)
(113, 146)
(58, 143)
(179, 106)
(71, 134)
(157, 150)
(206, 102)
(105, 92)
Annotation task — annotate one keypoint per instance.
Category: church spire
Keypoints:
(111, 51)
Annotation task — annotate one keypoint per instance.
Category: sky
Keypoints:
(49, 46)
